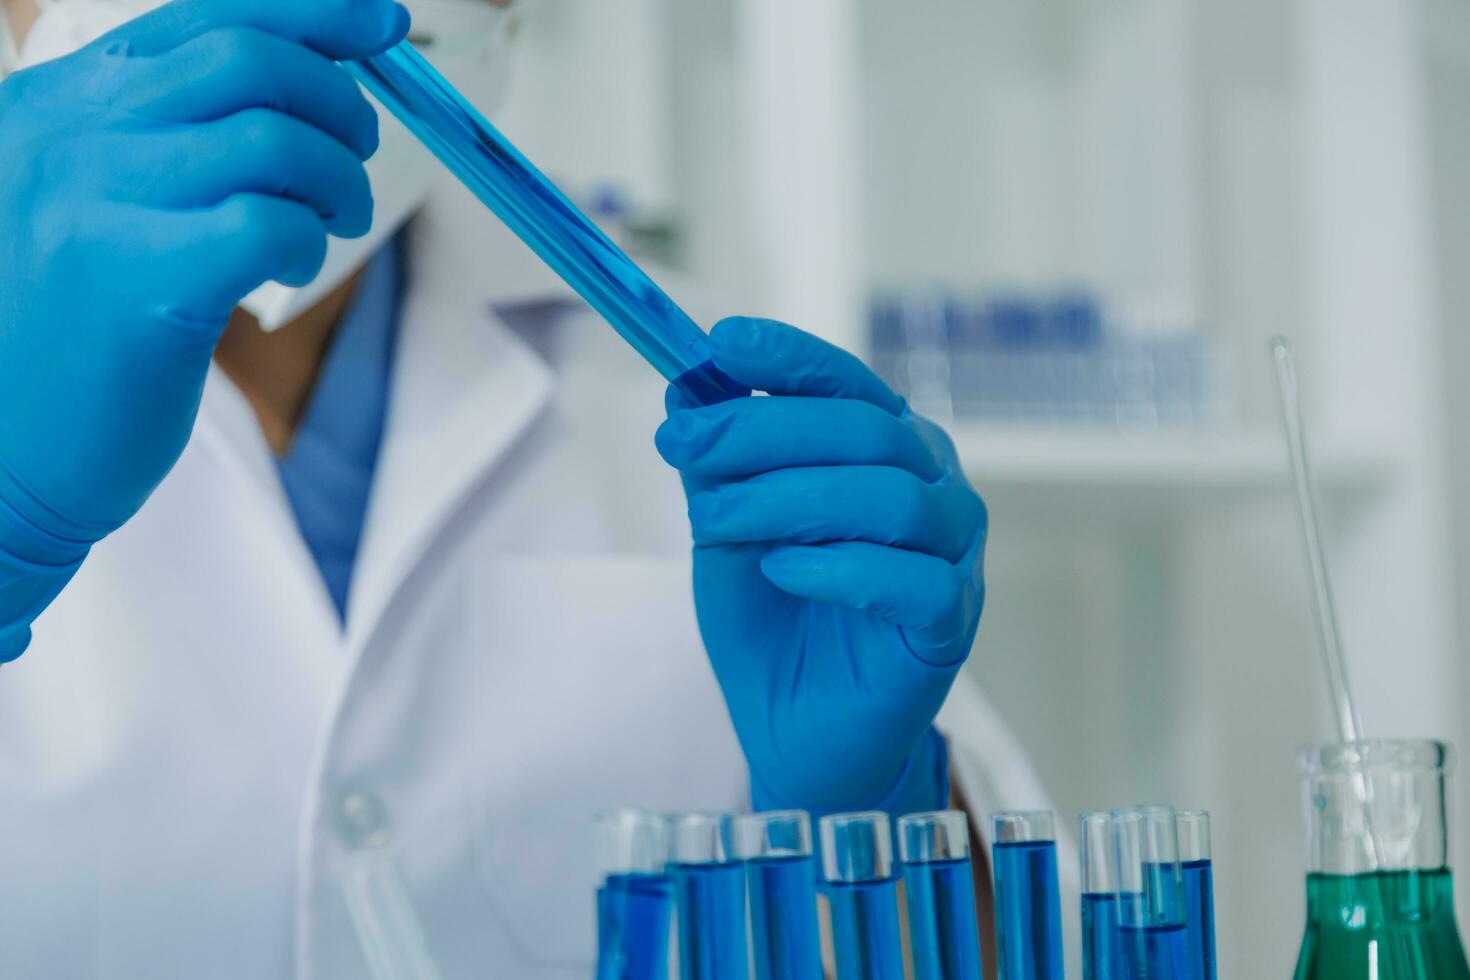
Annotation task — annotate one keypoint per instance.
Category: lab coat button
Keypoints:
(362, 820)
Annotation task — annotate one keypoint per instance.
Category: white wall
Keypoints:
(1447, 42)
(591, 101)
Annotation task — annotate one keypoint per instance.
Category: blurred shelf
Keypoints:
(1172, 462)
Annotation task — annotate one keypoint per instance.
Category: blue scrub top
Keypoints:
(327, 471)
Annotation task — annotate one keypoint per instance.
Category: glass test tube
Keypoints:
(781, 879)
(635, 899)
(943, 931)
(1196, 862)
(1028, 908)
(1151, 907)
(857, 864)
(709, 895)
(539, 214)
(1101, 952)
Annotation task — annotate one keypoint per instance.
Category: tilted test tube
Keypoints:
(532, 207)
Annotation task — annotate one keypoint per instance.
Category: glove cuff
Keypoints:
(34, 532)
(923, 785)
(34, 567)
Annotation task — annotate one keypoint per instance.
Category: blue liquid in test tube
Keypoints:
(633, 927)
(1028, 908)
(635, 901)
(1199, 894)
(1195, 860)
(709, 896)
(1102, 954)
(1101, 948)
(539, 214)
(1155, 946)
(857, 865)
(940, 883)
(1151, 906)
(781, 878)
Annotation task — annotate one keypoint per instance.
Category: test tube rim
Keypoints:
(1201, 844)
(656, 849)
(1102, 818)
(1131, 858)
(749, 825)
(1147, 815)
(833, 870)
(1023, 819)
(1347, 758)
(945, 836)
(720, 841)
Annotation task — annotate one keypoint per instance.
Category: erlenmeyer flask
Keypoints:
(1380, 897)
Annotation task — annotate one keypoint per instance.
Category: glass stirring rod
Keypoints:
(1329, 637)
(1350, 725)
(540, 215)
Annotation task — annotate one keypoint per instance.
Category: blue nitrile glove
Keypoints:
(837, 571)
(148, 183)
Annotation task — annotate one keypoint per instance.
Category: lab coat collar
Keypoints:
(464, 390)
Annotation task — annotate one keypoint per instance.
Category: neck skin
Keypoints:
(21, 14)
(276, 372)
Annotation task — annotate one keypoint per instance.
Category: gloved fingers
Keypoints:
(928, 598)
(941, 446)
(782, 360)
(812, 505)
(339, 29)
(938, 441)
(676, 401)
(746, 436)
(241, 243)
(233, 69)
(256, 151)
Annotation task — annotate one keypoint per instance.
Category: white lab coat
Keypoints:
(194, 752)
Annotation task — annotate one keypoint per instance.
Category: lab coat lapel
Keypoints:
(230, 436)
(465, 390)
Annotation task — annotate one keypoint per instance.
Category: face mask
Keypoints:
(468, 40)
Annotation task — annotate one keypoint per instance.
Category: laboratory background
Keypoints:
(1070, 228)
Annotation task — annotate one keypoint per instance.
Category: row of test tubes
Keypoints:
(742, 894)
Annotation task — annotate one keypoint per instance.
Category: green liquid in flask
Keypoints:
(1386, 925)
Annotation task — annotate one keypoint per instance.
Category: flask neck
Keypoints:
(1377, 807)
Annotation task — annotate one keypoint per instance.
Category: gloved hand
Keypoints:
(837, 571)
(148, 183)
